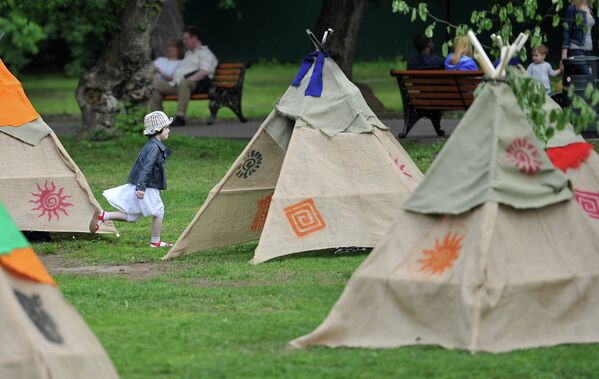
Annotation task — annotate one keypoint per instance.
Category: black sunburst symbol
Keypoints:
(252, 162)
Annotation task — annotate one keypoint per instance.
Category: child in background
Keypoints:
(141, 195)
(540, 70)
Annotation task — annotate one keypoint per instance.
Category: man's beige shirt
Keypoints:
(200, 58)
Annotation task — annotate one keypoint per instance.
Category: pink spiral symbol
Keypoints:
(49, 201)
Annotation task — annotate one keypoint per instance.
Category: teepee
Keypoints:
(40, 185)
(41, 335)
(490, 253)
(579, 161)
(321, 172)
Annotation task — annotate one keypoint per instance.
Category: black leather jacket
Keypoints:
(149, 168)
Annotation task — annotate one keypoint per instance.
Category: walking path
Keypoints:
(423, 132)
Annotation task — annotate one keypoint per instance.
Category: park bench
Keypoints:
(225, 91)
(427, 93)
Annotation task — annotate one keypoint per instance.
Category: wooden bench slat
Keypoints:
(458, 103)
(440, 95)
(435, 72)
(230, 65)
(442, 81)
(225, 84)
(440, 108)
(197, 96)
(451, 89)
(225, 78)
(227, 72)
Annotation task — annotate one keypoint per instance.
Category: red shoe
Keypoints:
(100, 220)
(160, 244)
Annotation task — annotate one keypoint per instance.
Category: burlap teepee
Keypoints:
(322, 171)
(577, 158)
(41, 335)
(500, 257)
(40, 185)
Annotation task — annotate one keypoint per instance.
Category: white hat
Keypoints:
(155, 121)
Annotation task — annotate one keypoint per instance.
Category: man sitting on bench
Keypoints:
(425, 60)
(194, 75)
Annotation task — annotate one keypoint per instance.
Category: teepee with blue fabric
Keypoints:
(321, 172)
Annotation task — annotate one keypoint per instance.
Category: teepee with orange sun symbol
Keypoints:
(490, 253)
(40, 185)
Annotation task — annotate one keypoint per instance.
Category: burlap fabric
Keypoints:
(493, 155)
(495, 277)
(492, 279)
(320, 172)
(40, 185)
(44, 190)
(41, 335)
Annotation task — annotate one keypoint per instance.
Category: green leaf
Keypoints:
(423, 11)
(588, 92)
(429, 30)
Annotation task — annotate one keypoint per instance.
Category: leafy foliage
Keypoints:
(129, 120)
(20, 39)
(85, 26)
(503, 16)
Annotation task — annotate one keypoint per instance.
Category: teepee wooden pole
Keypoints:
(486, 64)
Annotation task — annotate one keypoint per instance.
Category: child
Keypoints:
(540, 70)
(141, 195)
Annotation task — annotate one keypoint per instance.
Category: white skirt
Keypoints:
(123, 198)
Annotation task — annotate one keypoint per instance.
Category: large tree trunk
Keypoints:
(122, 74)
(345, 17)
(169, 25)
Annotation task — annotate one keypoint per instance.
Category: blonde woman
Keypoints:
(165, 67)
(461, 58)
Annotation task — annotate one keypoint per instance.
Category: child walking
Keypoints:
(141, 195)
(540, 70)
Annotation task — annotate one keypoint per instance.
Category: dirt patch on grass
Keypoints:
(56, 264)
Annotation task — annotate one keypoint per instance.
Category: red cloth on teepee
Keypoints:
(570, 156)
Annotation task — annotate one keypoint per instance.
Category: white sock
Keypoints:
(155, 239)
(106, 216)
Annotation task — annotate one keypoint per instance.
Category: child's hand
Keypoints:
(140, 194)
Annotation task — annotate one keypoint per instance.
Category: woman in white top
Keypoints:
(165, 67)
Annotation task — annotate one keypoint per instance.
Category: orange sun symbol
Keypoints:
(50, 202)
(443, 256)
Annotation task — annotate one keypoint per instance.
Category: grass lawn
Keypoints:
(264, 85)
(213, 315)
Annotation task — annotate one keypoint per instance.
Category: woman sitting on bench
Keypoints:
(461, 58)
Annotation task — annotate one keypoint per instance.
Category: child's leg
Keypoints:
(118, 216)
(156, 229)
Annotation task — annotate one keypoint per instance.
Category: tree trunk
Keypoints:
(169, 25)
(123, 73)
(344, 17)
